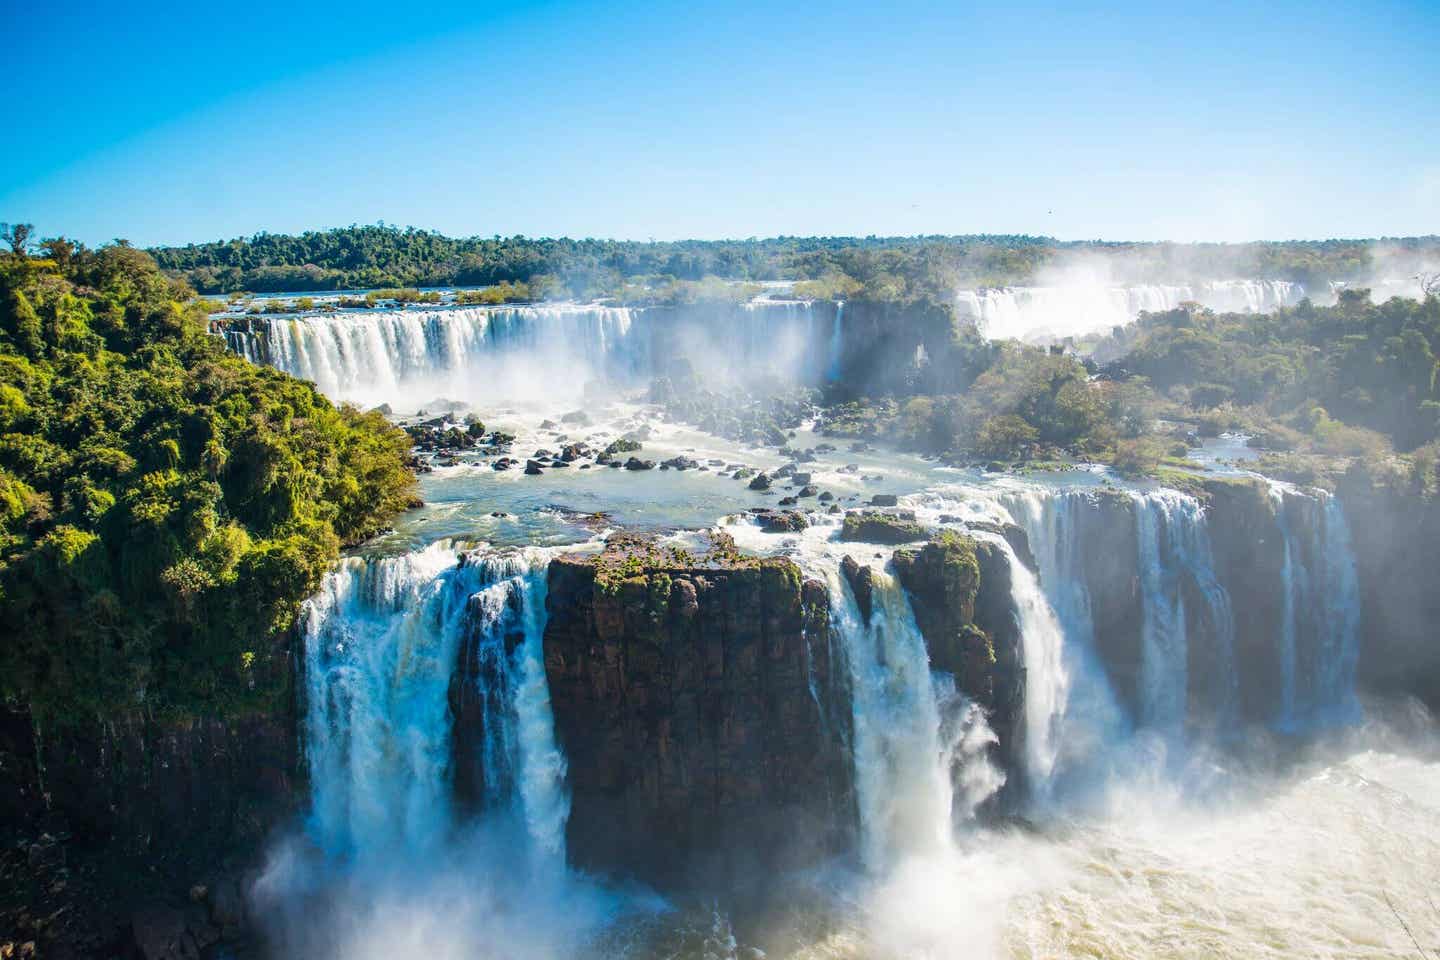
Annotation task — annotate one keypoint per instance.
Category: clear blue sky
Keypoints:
(1141, 120)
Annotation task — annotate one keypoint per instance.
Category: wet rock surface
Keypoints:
(681, 687)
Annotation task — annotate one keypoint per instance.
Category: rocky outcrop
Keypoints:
(703, 719)
(960, 591)
(880, 526)
(116, 821)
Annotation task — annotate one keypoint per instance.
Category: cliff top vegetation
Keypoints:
(164, 505)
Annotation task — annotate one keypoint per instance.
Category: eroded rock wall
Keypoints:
(705, 722)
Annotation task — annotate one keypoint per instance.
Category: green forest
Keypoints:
(891, 268)
(1320, 389)
(164, 505)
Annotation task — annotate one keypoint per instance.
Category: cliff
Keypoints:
(1396, 539)
(960, 591)
(108, 825)
(703, 719)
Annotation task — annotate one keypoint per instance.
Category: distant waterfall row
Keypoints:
(1027, 313)
(502, 353)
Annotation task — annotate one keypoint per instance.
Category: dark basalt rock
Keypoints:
(874, 526)
(862, 584)
(884, 500)
(635, 463)
(681, 692)
(532, 468)
(961, 594)
(789, 521)
(760, 482)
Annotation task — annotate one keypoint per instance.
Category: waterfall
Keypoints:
(1172, 553)
(1319, 642)
(837, 344)
(1338, 656)
(904, 793)
(1055, 312)
(1088, 719)
(1173, 545)
(477, 353)
(1047, 682)
(379, 355)
(915, 739)
(383, 638)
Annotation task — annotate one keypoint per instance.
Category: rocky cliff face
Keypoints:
(111, 821)
(960, 591)
(1396, 538)
(705, 724)
(1249, 554)
(882, 342)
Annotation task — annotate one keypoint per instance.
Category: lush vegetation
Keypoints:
(880, 268)
(164, 505)
(1354, 382)
(1347, 379)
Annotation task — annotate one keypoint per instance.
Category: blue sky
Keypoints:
(1216, 121)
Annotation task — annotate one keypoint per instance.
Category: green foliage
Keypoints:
(878, 269)
(164, 505)
(1369, 368)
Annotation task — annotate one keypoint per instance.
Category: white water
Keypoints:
(1047, 680)
(1319, 642)
(901, 772)
(1055, 312)
(1260, 873)
(550, 351)
(837, 344)
(382, 640)
(1164, 650)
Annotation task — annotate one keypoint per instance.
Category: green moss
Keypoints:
(873, 527)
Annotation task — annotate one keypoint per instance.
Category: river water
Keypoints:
(1140, 838)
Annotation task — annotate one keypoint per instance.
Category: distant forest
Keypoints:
(882, 268)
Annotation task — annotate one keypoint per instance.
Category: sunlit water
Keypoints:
(1168, 852)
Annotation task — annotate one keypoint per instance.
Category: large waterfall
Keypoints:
(382, 642)
(1043, 312)
(503, 354)
(1183, 669)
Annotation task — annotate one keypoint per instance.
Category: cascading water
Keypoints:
(1163, 638)
(1318, 645)
(837, 344)
(903, 786)
(920, 748)
(1047, 682)
(504, 353)
(1174, 547)
(1089, 719)
(1022, 313)
(382, 641)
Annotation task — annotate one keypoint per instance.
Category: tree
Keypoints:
(17, 235)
